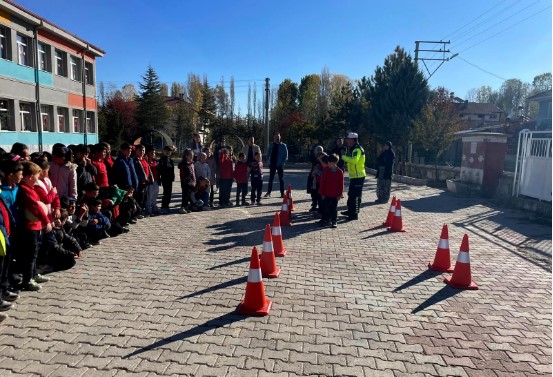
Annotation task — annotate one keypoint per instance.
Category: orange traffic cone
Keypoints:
(269, 268)
(280, 250)
(390, 219)
(461, 277)
(285, 219)
(442, 262)
(397, 225)
(255, 302)
(290, 200)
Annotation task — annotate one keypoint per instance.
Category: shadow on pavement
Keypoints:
(444, 202)
(381, 233)
(226, 284)
(215, 323)
(425, 275)
(231, 263)
(443, 294)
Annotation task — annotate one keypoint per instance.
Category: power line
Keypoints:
(482, 69)
(468, 23)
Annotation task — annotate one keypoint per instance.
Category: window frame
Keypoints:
(5, 40)
(45, 111)
(63, 113)
(6, 121)
(44, 57)
(89, 73)
(75, 68)
(23, 46)
(26, 113)
(76, 116)
(63, 59)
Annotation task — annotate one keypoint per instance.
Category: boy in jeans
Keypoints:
(256, 176)
(331, 190)
(241, 178)
(34, 218)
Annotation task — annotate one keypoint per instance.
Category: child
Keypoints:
(76, 222)
(98, 224)
(187, 179)
(34, 219)
(86, 172)
(144, 175)
(202, 169)
(6, 230)
(166, 171)
(199, 198)
(47, 193)
(129, 206)
(256, 176)
(62, 249)
(316, 174)
(241, 178)
(98, 161)
(331, 190)
(212, 163)
(225, 179)
(63, 172)
(153, 188)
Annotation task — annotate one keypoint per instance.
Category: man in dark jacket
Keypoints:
(166, 171)
(385, 164)
(125, 175)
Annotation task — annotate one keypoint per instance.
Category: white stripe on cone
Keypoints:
(392, 208)
(443, 244)
(254, 276)
(276, 231)
(284, 208)
(463, 257)
(398, 213)
(267, 247)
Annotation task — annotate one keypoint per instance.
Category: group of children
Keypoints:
(326, 186)
(201, 178)
(55, 205)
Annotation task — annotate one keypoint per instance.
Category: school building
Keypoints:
(47, 82)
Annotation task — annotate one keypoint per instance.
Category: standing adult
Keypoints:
(196, 146)
(124, 173)
(355, 160)
(250, 150)
(385, 163)
(276, 157)
(339, 149)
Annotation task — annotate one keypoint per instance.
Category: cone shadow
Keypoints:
(215, 323)
(425, 275)
(381, 233)
(443, 294)
(230, 283)
(231, 263)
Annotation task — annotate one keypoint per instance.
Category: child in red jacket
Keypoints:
(331, 190)
(225, 178)
(34, 218)
(241, 178)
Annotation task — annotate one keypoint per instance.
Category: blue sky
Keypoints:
(251, 40)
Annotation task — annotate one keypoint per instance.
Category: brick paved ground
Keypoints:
(352, 301)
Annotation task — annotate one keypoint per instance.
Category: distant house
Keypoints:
(477, 115)
(543, 120)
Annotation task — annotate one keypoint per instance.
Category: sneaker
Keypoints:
(96, 243)
(334, 224)
(351, 218)
(4, 305)
(140, 217)
(164, 211)
(345, 213)
(282, 195)
(183, 210)
(31, 286)
(230, 204)
(245, 203)
(3, 317)
(267, 195)
(312, 209)
(323, 223)
(132, 221)
(41, 279)
(258, 203)
(9, 296)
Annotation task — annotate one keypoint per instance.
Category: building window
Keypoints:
(493, 116)
(46, 118)
(61, 65)
(6, 120)
(77, 121)
(26, 117)
(89, 73)
(4, 43)
(63, 120)
(75, 68)
(44, 57)
(90, 122)
(23, 50)
(481, 116)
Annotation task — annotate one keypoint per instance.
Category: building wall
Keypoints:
(58, 97)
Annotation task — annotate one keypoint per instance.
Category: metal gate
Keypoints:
(533, 165)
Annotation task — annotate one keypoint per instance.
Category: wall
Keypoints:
(429, 172)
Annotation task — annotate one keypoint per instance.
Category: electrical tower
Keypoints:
(441, 51)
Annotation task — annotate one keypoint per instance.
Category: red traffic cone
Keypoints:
(255, 302)
(397, 225)
(285, 218)
(290, 200)
(269, 268)
(461, 277)
(442, 261)
(280, 250)
(390, 219)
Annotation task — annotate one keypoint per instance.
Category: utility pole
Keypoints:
(441, 51)
(266, 115)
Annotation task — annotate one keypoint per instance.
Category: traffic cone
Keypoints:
(285, 219)
(390, 219)
(290, 200)
(442, 261)
(280, 250)
(255, 302)
(269, 268)
(461, 277)
(397, 225)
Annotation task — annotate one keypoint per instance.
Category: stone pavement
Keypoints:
(351, 301)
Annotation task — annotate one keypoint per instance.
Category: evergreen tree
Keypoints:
(152, 112)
